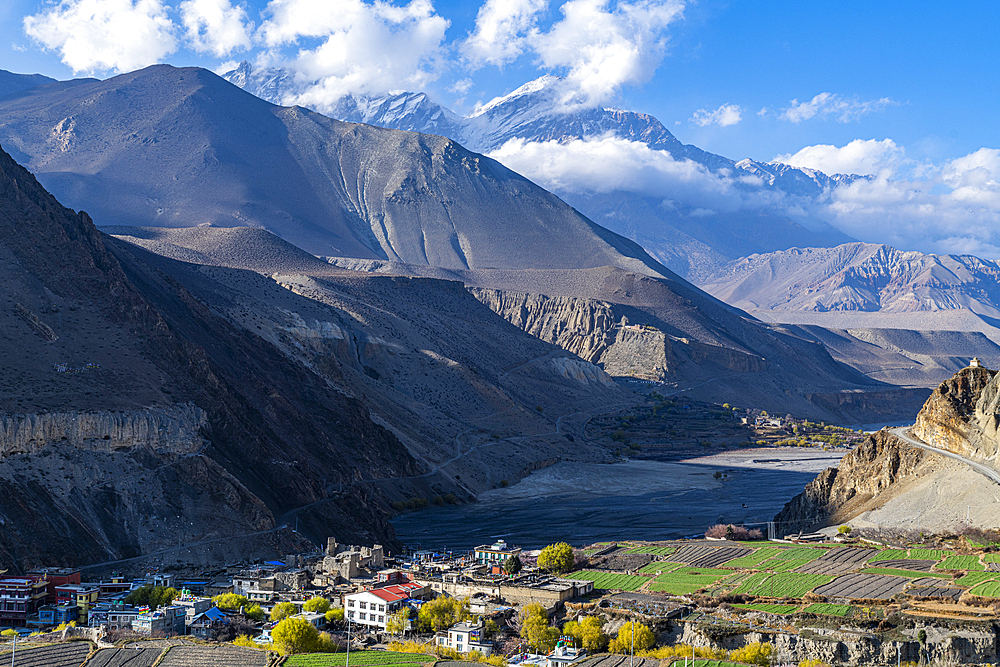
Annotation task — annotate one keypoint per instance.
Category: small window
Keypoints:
(381, 619)
(350, 603)
(363, 605)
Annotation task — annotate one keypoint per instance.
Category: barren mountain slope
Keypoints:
(457, 384)
(858, 277)
(181, 147)
(889, 483)
(672, 334)
(102, 352)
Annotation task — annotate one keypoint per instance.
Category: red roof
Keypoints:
(395, 592)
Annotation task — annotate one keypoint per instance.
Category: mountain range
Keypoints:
(686, 236)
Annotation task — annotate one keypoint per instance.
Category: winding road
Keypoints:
(902, 433)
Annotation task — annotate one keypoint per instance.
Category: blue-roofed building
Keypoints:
(206, 623)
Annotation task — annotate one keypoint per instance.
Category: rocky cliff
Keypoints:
(962, 415)
(838, 494)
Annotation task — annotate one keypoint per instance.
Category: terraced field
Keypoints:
(214, 656)
(752, 560)
(659, 566)
(777, 609)
(904, 564)
(687, 580)
(782, 585)
(610, 580)
(125, 657)
(888, 554)
(973, 578)
(987, 589)
(948, 592)
(68, 654)
(825, 609)
(703, 556)
(838, 561)
(618, 661)
(957, 562)
(363, 659)
(648, 549)
(929, 554)
(903, 573)
(783, 564)
(864, 586)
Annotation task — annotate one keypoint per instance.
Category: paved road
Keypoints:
(902, 433)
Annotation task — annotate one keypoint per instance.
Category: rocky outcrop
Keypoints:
(173, 429)
(837, 494)
(962, 415)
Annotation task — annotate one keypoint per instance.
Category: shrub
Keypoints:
(245, 641)
(731, 532)
(844, 530)
(317, 605)
(754, 653)
(623, 643)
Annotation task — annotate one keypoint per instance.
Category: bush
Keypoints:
(245, 641)
(557, 558)
(295, 635)
(283, 610)
(731, 532)
(844, 530)
(755, 653)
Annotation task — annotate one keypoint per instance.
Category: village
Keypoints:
(729, 599)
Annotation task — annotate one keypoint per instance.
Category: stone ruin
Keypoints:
(347, 561)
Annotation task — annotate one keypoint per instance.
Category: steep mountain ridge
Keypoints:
(685, 236)
(11, 83)
(858, 277)
(128, 340)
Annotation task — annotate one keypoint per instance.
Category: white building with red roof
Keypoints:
(371, 608)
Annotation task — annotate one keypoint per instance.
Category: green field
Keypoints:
(784, 564)
(610, 580)
(686, 580)
(987, 589)
(779, 609)
(928, 554)
(648, 549)
(829, 609)
(807, 554)
(659, 566)
(973, 578)
(889, 554)
(784, 584)
(752, 560)
(359, 658)
(710, 663)
(956, 562)
(904, 573)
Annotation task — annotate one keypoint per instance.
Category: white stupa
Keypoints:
(975, 363)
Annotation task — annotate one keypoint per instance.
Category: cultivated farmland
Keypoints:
(777, 609)
(987, 589)
(70, 654)
(864, 586)
(700, 556)
(359, 658)
(618, 661)
(838, 561)
(782, 585)
(610, 580)
(957, 562)
(125, 657)
(752, 560)
(214, 656)
(687, 580)
(904, 564)
(825, 609)
(648, 549)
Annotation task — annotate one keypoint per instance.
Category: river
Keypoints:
(582, 503)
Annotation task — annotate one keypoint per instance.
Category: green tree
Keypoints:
(398, 621)
(283, 610)
(644, 638)
(535, 629)
(557, 557)
(154, 596)
(295, 635)
(589, 632)
(254, 612)
(512, 565)
(443, 612)
(317, 605)
(231, 601)
(336, 614)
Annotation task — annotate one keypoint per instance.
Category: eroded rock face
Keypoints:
(836, 493)
(962, 415)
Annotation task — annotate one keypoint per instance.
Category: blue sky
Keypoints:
(904, 91)
(936, 62)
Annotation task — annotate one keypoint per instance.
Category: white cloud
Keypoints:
(500, 35)
(216, 26)
(601, 49)
(363, 47)
(858, 157)
(605, 164)
(843, 109)
(100, 35)
(724, 116)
